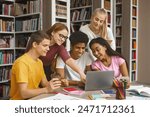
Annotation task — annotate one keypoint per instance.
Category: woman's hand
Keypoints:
(64, 82)
(83, 77)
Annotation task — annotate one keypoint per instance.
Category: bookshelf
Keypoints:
(18, 19)
(80, 13)
(7, 39)
(28, 19)
(108, 5)
(60, 12)
(130, 36)
(118, 26)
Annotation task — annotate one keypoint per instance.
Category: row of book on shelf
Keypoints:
(28, 24)
(118, 9)
(4, 73)
(118, 1)
(134, 11)
(134, 2)
(76, 26)
(107, 4)
(7, 9)
(6, 41)
(133, 54)
(6, 25)
(118, 31)
(134, 32)
(6, 57)
(118, 42)
(25, 25)
(134, 44)
(4, 90)
(21, 40)
(28, 7)
(80, 3)
(118, 20)
(134, 22)
(61, 10)
(133, 65)
(82, 14)
(133, 76)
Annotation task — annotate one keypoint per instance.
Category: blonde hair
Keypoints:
(103, 29)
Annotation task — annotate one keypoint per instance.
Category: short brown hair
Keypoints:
(37, 37)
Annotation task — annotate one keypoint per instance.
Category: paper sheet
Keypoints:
(61, 96)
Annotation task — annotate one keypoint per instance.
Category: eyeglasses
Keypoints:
(62, 36)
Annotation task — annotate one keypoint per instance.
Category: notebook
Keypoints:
(98, 80)
(73, 90)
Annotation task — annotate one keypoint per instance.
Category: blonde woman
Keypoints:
(98, 28)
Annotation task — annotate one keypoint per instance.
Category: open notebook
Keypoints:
(139, 90)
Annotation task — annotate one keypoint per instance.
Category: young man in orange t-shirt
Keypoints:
(27, 71)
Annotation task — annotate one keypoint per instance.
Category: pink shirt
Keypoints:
(115, 64)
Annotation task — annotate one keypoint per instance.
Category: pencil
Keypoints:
(90, 97)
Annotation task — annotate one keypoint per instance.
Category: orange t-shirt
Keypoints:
(25, 70)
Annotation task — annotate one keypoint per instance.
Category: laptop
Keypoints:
(98, 80)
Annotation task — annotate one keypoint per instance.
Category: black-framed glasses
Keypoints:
(62, 36)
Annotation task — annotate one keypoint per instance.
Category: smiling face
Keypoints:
(77, 50)
(98, 20)
(60, 36)
(42, 48)
(98, 51)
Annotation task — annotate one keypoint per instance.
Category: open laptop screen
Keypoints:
(98, 80)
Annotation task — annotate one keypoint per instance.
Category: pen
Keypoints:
(90, 97)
